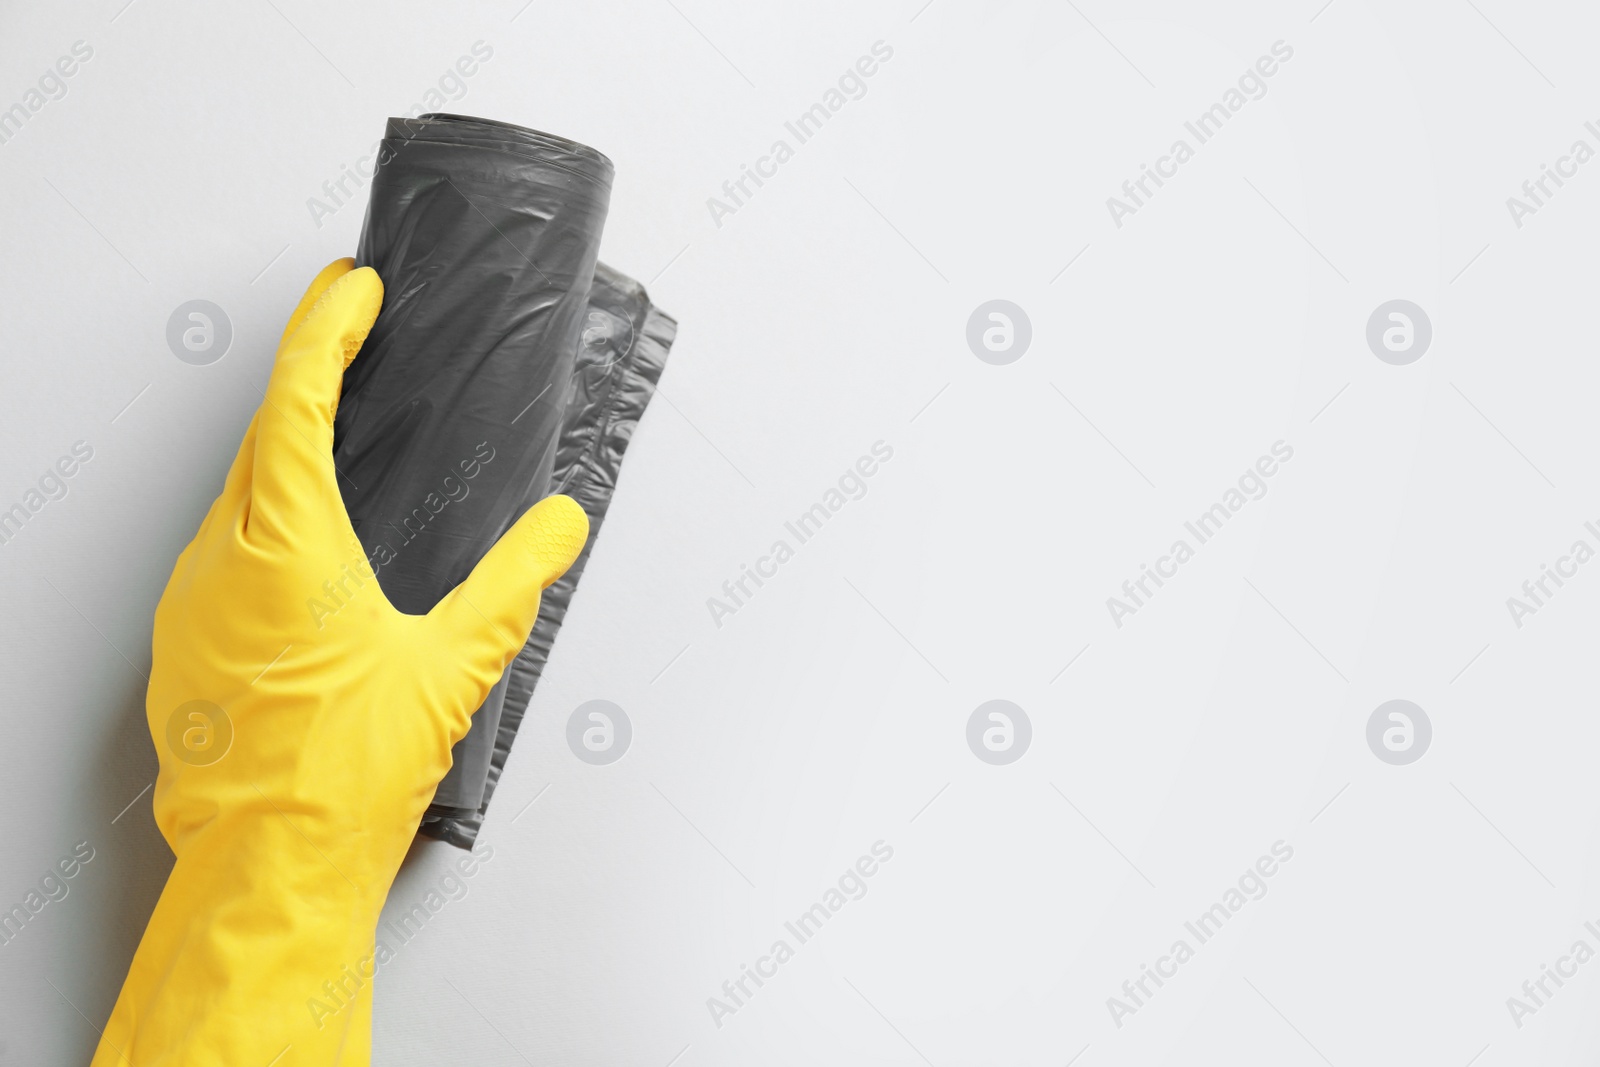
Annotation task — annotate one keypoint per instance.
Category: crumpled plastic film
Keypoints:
(506, 364)
(626, 342)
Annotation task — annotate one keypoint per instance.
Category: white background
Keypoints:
(830, 712)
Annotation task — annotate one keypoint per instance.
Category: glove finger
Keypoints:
(234, 500)
(319, 285)
(295, 488)
(486, 619)
(236, 488)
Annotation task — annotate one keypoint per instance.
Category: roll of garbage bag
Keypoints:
(625, 345)
(501, 369)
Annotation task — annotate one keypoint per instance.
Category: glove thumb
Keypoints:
(486, 619)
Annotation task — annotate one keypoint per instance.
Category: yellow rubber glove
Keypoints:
(299, 749)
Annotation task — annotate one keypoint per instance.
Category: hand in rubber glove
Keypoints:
(333, 729)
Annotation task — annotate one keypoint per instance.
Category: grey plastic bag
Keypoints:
(505, 365)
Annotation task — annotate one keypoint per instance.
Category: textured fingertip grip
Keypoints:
(555, 532)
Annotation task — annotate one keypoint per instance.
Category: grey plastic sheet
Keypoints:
(507, 363)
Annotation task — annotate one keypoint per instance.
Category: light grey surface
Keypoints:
(827, 312)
